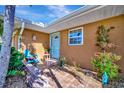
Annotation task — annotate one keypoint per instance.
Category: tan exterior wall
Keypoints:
(40, 44)
(82, 54)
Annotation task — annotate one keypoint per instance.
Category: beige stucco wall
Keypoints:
(82, 54)
(41, 42)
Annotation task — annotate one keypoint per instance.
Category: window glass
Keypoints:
(75, 37)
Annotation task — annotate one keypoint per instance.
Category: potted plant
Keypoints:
(62, 61)
(46, 51)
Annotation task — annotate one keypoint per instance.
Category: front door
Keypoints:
(55, 45)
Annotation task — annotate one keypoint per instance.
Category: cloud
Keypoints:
(28, 13)
(24, 12)
(58, 11)
(50, 12)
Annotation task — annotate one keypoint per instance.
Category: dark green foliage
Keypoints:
(15, 65)
(104, 62)
(1, 27)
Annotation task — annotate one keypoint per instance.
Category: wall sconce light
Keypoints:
(34, 38)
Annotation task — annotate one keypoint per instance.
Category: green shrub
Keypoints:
(105, 62)
(15, 64)
(1, 27)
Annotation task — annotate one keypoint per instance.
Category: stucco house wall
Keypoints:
(82, 54)
(40, 44)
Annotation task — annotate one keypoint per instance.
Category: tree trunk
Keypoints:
(6, 41)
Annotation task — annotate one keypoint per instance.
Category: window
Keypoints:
(56, 37)
(75, 36)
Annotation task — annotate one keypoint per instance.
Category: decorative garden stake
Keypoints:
(104, 79)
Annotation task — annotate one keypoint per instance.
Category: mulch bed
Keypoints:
(15, 82)
(117, 83)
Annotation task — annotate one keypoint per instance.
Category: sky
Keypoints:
(43, 13)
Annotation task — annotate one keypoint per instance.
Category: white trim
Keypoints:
(86, 17)
(75, 36)
(82, 16)
(74, 14)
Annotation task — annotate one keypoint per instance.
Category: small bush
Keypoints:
(105, 62)
(15, 64)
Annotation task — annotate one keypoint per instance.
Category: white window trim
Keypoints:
(75, 36)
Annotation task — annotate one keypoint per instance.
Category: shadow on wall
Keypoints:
(37, 41)
(37, 48)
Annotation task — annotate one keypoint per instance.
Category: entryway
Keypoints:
(55, 45)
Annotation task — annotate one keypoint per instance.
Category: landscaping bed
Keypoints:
(15, 82)
(89, 78)
(117, 83)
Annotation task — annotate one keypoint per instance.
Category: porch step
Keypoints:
(51, 62)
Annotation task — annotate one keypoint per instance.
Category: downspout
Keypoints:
(20, 35)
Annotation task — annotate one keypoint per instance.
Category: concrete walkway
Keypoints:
(59, 78)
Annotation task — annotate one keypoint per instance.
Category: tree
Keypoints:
(6, 44)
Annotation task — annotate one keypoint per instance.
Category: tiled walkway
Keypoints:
(59, 78)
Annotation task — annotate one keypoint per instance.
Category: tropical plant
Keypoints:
(6, 41)
(103, 40)
(15, 64)
(105, 62)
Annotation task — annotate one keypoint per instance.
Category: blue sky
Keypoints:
(43, 13)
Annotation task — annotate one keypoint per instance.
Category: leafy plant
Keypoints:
(15, 64)
(105, 62)
(103, 40)
(47, 50)
(1, 27)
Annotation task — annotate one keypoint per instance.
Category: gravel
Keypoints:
(117, 83)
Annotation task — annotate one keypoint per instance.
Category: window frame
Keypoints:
(75, 36)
